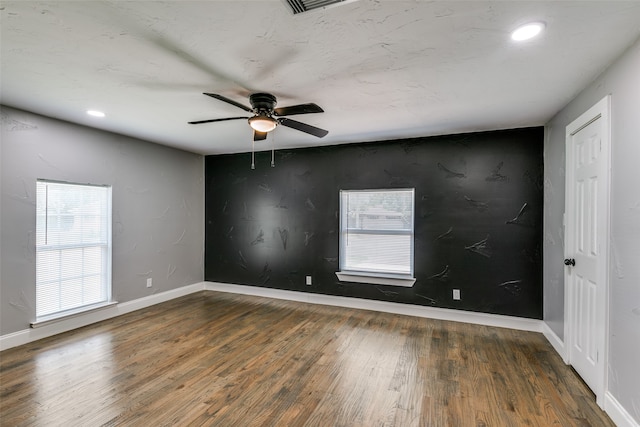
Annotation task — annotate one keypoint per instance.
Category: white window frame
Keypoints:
(105, 246)
(375, 277)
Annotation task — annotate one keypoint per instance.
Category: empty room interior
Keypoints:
(320, 213)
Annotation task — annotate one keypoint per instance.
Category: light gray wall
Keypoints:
(622, 81)
(553, 229)
(158, 207)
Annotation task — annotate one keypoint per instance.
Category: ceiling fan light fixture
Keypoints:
(263, 123)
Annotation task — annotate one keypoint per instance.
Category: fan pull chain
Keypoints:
(253, 158)
(273, 156)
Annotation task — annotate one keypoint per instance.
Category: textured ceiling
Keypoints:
(380, 69)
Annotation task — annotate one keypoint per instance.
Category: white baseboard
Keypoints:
(63, 325)
(555, 341)
(510, 322)
(617, 413)
(32, 334)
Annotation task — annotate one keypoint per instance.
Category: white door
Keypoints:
(586, 245)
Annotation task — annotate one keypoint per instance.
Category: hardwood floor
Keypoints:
(231, 360)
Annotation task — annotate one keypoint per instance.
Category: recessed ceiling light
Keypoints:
(95, 113)
(527, 31)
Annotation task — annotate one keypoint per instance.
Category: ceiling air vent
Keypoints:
(299, 6)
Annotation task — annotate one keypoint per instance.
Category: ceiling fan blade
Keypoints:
(216, 120)
(229, 101)
(311, 130)
(297, 109)
(259, 136)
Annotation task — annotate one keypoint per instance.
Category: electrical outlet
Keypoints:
(308, 282)
(456, 294)
(149, 282)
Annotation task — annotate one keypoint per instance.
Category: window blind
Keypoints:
(377, 231)
(73, 247)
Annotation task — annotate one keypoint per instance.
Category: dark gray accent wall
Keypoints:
(478, 219)
(157, 201)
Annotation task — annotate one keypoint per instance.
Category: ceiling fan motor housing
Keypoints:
(263, 102)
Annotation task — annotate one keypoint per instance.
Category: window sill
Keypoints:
(375, 280)
(53, 318)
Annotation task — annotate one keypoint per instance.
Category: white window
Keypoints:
(73, 248)
(376, 236)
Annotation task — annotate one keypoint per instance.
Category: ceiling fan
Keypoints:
(266, 117)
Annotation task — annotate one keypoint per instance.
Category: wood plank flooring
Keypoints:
(218, 359)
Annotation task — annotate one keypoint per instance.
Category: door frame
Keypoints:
(601, 110)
